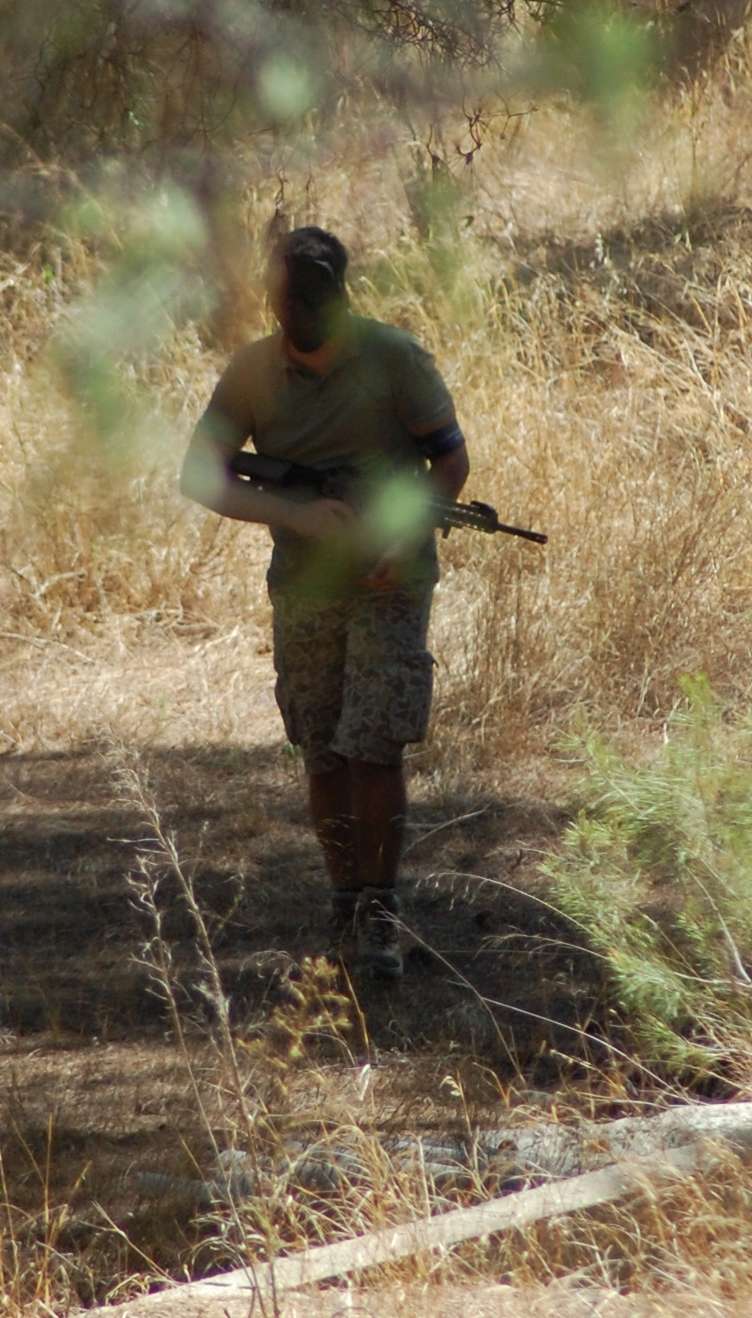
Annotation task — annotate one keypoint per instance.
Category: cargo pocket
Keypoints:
(409, 687)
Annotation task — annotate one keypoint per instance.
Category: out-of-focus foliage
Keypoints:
(604, 58)
(165, 78)
(107, 101)
(148, 130)
(161, 75)
(131, 313)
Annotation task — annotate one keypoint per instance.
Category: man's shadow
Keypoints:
(95, 868)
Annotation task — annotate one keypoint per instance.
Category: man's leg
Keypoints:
(352, 712)
(330, 800)
(358, 811)
(385, 705)
(309, 695)
(379, 805)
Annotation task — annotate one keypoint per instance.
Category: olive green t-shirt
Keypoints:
(367, 413)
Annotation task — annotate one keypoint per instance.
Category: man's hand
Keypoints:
(387, 571)
(320, 519)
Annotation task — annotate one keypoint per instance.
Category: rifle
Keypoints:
(337, 483)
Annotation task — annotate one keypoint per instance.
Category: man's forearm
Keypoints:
(207, 480)
(239, 500)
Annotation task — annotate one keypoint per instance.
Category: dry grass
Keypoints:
(594, 330)
(600, 372)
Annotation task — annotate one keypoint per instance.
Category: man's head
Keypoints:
(306, 283)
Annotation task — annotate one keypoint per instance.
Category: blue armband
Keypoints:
(441, 441)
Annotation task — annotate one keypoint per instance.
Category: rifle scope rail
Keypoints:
(481, 517)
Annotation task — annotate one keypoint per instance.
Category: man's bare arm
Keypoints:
(206, 479)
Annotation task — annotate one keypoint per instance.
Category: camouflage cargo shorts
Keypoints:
(354, 677)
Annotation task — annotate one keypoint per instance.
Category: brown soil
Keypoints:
(72, 935)
(94, 1082)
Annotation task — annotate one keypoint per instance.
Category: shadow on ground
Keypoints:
(95, 1080)
(488, 965)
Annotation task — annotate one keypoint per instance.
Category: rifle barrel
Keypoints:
(537, 536)
(481, 517)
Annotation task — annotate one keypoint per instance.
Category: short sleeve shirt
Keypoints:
(366, 413)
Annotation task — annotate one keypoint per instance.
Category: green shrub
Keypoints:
(656, 869)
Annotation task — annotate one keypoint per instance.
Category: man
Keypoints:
(350, 585)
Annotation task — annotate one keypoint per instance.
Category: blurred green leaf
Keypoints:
(286, 87)
(604, 57)
(398, 511)
(149, 289)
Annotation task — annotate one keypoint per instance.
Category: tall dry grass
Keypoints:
(591, 316)
(593, 329)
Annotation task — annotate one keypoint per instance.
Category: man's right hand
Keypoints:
(320, 519)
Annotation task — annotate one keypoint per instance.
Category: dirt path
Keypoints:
(227, 787)
(93, 1080)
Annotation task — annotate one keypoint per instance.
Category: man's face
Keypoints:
(306, 302)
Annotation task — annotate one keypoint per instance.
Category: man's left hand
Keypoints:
(387, 572)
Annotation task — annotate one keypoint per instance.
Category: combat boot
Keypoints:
(378, 933)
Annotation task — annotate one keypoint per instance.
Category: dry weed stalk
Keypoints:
(36, 1263)
(155, 853)
(254, 1085)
